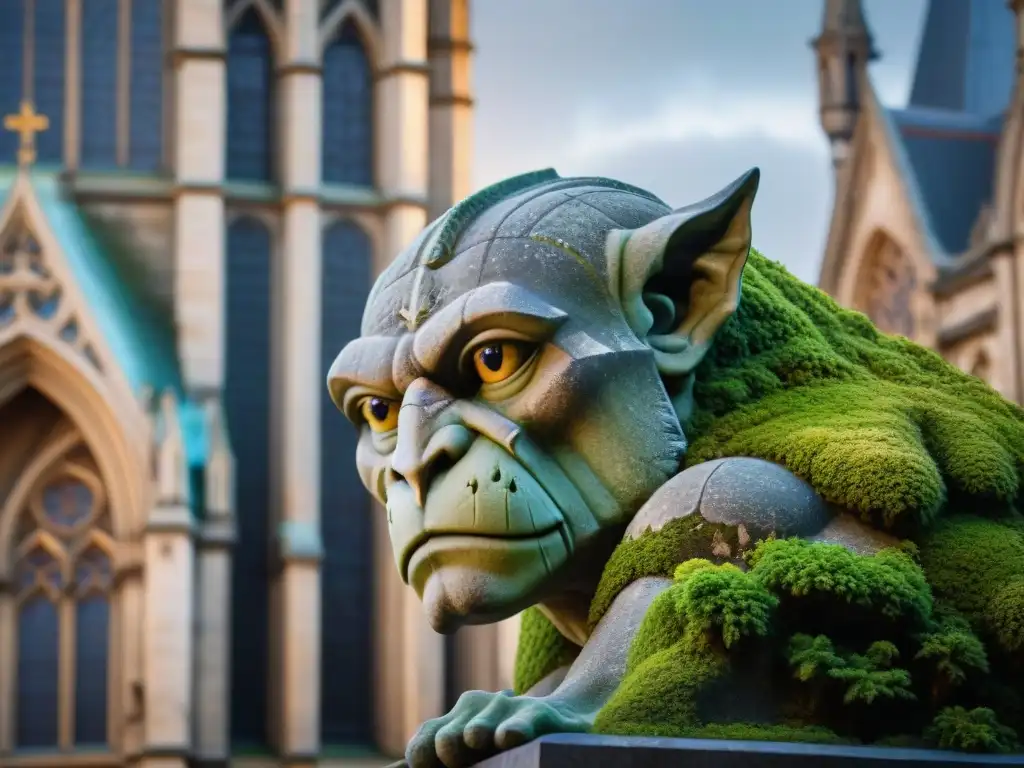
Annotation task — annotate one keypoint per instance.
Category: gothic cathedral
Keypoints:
(926, 228)
(195, 196)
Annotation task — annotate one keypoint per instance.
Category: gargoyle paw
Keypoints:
(481, 724)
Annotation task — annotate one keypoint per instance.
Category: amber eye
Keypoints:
(380, 413)
(498, 361)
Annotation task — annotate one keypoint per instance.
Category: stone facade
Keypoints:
(166, 547)
(925, 231)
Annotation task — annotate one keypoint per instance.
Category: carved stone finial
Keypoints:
(171, 464)
(220, 462)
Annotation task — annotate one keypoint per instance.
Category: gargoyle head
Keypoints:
(522, 374)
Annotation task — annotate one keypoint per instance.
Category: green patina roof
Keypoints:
(139, 334)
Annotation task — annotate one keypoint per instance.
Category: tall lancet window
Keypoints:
(250, 100)
(49, 75)
(347, 152)
(63, 579)
(146, 111)
(99, 84)
(346, 586)
(247, 411)
(12, 65)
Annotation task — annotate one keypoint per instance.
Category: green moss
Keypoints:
(658, 554)
(951, 652)
(975, 730)
(722, 601)
(803, 734)
(864, 677)
(873, 422)
(541, 650)
(977, 566)
(846, 647)
(887, 585)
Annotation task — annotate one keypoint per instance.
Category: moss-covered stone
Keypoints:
(875, 423)
(847, 647)
(919, 644)
(680, 540)
(977, 566)
(541, 650)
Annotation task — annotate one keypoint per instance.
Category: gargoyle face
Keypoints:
(519, 377)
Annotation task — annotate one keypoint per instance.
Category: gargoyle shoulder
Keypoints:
(760, 496)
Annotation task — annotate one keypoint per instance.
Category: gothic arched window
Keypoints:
(347, 137)
(49, 75)
(99, 84)
(250, 100)
(886, 287)
(12, 65)
(346, 661)
(63, 577)
(146, 83)
(247, 408)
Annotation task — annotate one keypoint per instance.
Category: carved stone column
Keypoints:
(169, 593)
(297, 400)
(199, 138)
(410, 655)
(213, 601)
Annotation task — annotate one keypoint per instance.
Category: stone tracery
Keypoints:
(29, 289)
(62, 580)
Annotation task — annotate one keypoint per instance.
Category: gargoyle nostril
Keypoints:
(496, 476)
(512, 486)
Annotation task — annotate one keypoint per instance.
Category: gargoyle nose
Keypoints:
(431, 438)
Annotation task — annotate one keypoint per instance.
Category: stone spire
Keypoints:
(844, 47)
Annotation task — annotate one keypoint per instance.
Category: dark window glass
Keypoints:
(37, 694)
(250, 100)
(92, 643)
(12, 65)
(147, 86)
(48, 45)
(99, 84)
(345, 656)
(247, 409)
(347, 110)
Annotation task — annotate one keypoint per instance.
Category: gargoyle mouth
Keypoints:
(424, 536)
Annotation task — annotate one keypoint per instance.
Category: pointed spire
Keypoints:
(843, 48)
(965, 61)
(219, 462)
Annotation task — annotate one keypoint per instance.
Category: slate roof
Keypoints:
(949, 131)
(140, 338)
(952, 156)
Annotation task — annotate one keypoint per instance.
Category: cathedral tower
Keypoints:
(843, 49)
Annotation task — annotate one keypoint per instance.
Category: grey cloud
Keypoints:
(542, 65)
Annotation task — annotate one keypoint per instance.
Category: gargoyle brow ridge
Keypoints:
(443, 249)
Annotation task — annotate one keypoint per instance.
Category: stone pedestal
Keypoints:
(586, 751)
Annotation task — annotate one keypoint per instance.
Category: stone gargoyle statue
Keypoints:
(721, 512)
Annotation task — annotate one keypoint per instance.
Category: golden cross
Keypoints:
(27, 123)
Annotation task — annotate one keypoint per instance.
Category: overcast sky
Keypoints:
(676, 96)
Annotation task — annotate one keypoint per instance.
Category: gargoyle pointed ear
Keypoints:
(678, 278)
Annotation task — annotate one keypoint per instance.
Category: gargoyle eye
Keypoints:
(380, 413)
(497, 361)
